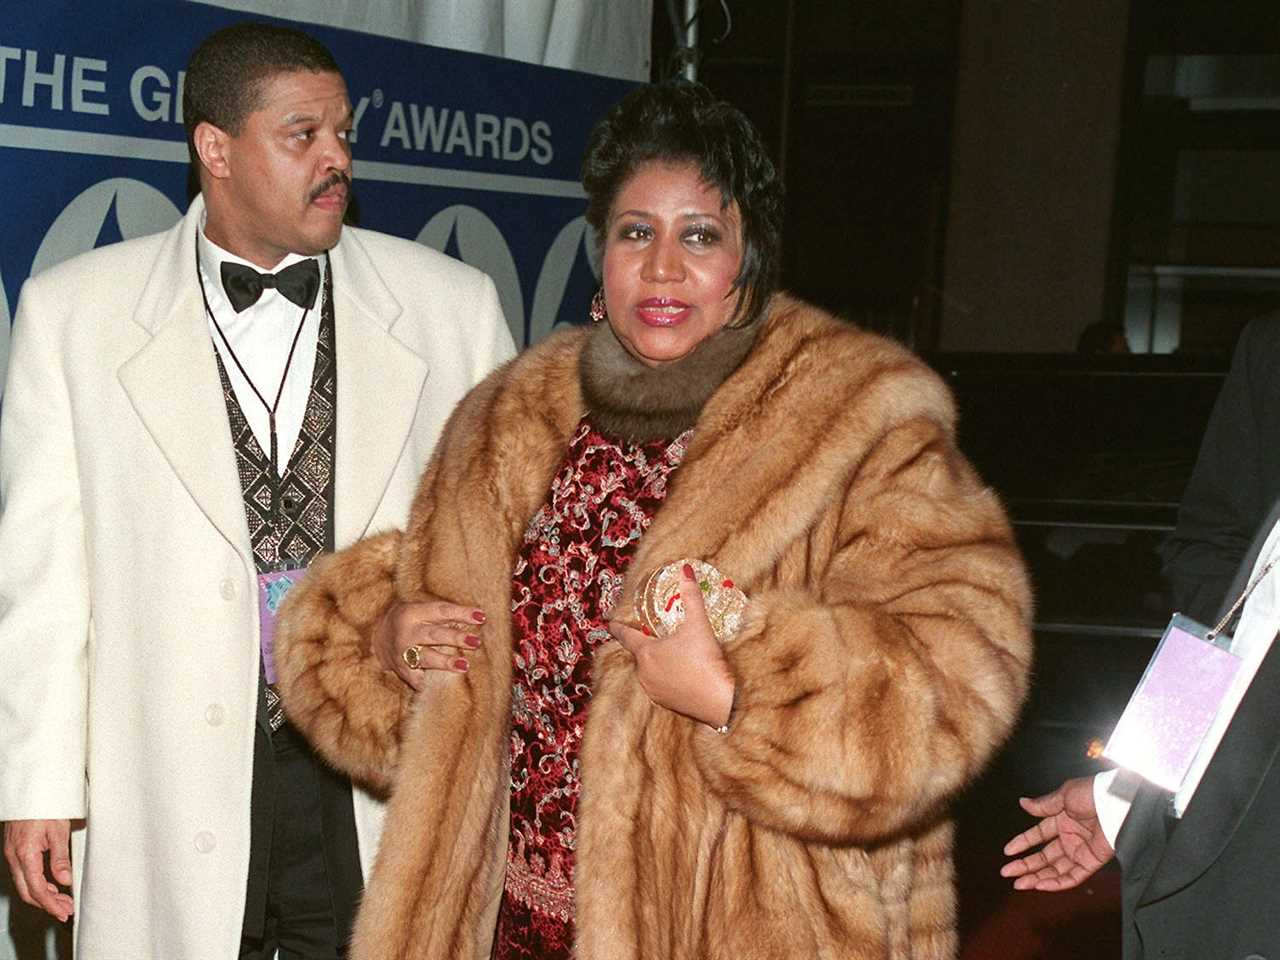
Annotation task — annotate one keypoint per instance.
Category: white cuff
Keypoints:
(1113, 794)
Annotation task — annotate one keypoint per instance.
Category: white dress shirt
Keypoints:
(1113, 791)
(261, 336)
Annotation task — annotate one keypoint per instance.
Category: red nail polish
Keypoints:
(460, 664)
(473, 641)
(688, 572)
(645, 630)
(477, 616)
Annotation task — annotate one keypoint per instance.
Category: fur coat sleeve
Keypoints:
(334, 689)
(889, 658)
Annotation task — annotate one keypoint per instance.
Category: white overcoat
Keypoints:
(128, 617)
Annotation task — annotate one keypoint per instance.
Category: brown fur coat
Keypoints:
(883, 659)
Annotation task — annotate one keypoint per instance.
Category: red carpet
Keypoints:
(1080, 923)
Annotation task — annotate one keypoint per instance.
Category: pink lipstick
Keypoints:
(663, 311)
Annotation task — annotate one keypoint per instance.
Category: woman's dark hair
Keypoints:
(682, 122)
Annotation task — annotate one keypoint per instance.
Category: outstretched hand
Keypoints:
(1072, 846)
(685, 672)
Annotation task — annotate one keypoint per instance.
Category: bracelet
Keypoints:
(733, 705)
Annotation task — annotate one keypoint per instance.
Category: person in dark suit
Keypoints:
(1200, 886)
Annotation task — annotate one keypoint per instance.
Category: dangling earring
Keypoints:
(598, 309)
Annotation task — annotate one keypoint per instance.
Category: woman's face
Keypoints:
(670, 257)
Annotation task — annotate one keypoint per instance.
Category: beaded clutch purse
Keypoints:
(660, 608)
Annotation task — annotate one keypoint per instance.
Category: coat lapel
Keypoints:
(173, 384)
(380, 381)
(1241, 763)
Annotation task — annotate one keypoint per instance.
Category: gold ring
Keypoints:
(412, 657)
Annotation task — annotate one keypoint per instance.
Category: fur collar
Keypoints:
(636, 402)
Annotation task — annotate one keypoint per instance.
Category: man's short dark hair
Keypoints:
(682, 122)
(228, 70)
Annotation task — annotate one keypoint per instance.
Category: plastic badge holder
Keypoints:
(1170, 712)
(272, 589)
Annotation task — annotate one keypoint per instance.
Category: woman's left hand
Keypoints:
(686, 671)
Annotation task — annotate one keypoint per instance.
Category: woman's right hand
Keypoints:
(438, 632)
(685, 672)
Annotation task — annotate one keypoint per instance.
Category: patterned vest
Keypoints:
(291, 516)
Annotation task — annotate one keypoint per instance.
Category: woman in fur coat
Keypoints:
(780, 792)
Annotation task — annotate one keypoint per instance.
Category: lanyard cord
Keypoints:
(1226, 619)
(284, 377)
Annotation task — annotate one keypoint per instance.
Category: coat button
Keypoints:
(205, 842)
(214, 715)
(228, 589)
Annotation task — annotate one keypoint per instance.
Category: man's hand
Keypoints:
(439, 632)
(685, 672)
(25, 843)
(1072, 844)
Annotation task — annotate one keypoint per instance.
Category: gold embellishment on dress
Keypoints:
(548, 890)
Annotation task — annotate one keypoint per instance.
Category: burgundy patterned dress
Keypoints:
(567, 579)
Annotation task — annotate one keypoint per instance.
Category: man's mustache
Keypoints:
(331, 181)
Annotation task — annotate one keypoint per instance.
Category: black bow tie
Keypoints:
(244, 285)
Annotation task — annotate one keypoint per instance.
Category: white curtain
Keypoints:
(607, 37)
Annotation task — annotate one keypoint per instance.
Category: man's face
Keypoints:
(285, 184)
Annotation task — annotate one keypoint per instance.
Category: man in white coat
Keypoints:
(189, 419)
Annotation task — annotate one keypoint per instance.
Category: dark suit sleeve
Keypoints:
(1235, 479)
